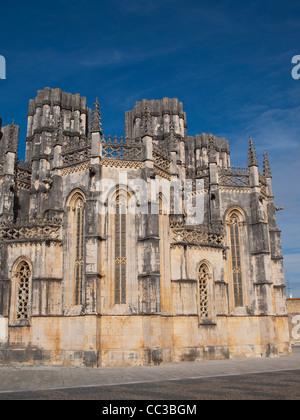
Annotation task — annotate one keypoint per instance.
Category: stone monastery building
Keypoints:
(94, 275)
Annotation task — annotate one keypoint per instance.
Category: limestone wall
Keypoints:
(142, 340)
(293, 309)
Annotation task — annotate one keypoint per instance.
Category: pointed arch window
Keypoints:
(75, 242)
(23, 275)
(235, 247)
(78, 263)
(120, 250)
(21, 293)
(203, 278)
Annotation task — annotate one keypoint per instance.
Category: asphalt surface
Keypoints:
(264, 386)
(237, 379)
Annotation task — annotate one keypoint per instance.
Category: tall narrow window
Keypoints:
(203, 278)
(164, 304)
(79, 207)
(74, 250)
(23, 289)
(120, 252)
(236, 260)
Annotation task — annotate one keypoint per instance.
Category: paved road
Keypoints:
(263, 378)
(283, 385)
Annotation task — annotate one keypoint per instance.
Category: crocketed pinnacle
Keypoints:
(212, 150)
(252, 158)
(97, 125)
(59, 131)
(146, 125)
(172, 141)
(267, 169)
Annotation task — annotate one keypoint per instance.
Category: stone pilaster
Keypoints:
(260, 248)
(214, 195)
(149, 276)
(9, 152)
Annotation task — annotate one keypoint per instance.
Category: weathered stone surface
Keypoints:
(106, 289)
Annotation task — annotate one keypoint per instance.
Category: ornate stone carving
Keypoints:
(84, 166)
(234, 176)
(23, 278)
(120, 148)
(33, 231)
(198, 236)
(161, 158)
(203, 278)
(75, 156)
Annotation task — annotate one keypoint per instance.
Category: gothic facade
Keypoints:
(99, 273)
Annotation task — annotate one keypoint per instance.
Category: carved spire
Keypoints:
(212, 150)
(172, 128)
(97, 125)
(146, 123)
(267, 169)
(59, 131)
(252, 158)
(12, 140)
(172, 140)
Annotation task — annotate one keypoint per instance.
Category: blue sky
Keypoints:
(228, 61)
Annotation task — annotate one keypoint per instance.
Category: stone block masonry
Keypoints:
(96, 270)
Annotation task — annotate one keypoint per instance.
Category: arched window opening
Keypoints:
(236, 259)
(120, 250)
(203, 278)
(78, 263)
(23, 274)
(75, 241)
